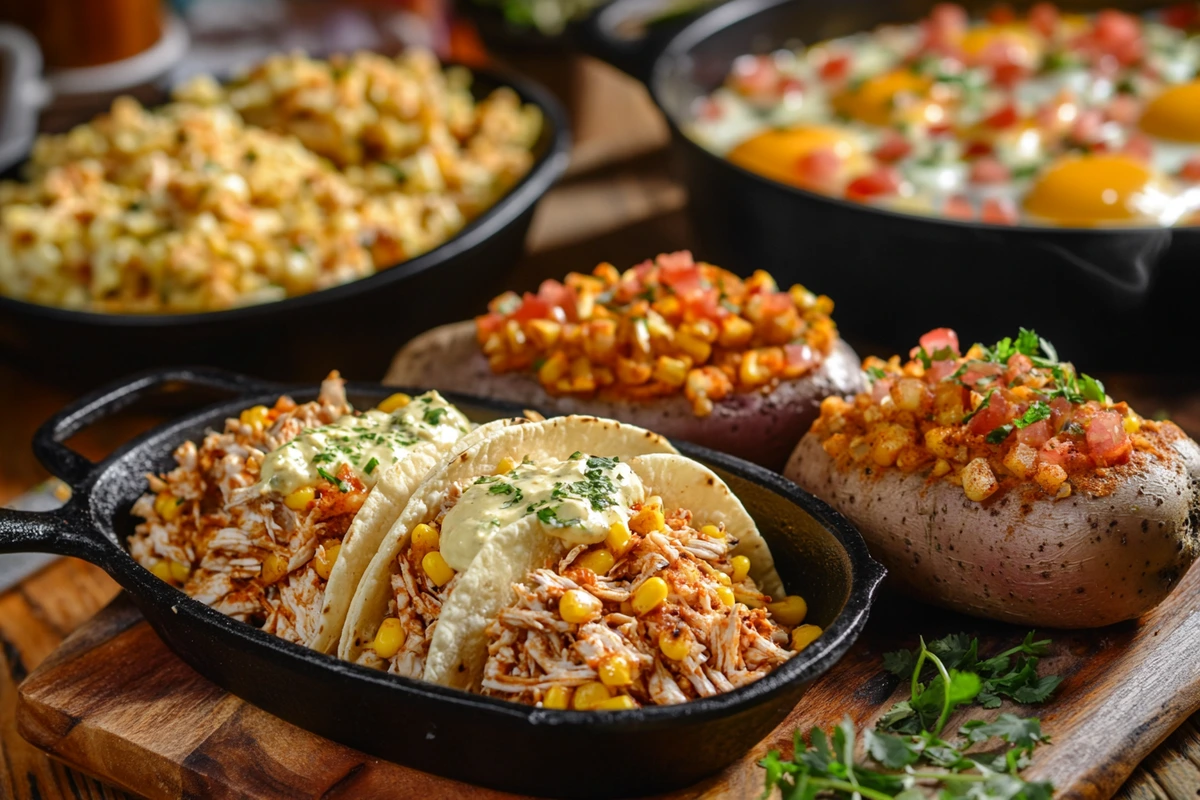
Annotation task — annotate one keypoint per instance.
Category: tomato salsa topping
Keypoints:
(1008, 413)
(665, 326)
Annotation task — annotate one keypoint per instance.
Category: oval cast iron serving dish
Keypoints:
(463, 736)
(290, 338)
(893, 275)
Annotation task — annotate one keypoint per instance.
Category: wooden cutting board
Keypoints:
(116, 703)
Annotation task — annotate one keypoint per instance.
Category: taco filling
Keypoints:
(252, 520)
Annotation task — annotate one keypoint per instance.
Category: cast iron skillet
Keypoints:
(475, 739)
(357, 325)
(895, 276)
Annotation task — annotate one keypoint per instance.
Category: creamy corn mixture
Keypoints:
(298, 176)
(665, 327)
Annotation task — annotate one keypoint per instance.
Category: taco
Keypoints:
(273, 520)
(394, 613)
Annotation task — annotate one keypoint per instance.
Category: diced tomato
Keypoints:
(1181, 15)
(884, 180)
(1191, 169)
(680, 272)
(1087, 126)
(997, 413)
(976, 148)
(1043, 18)
(938, 339)
(703, 304)
(989, 170)
(755, 76)
(791, 85)
(1001, 14)
(532, 308)
(1056, 452)
(1107, 441)
(893, 147)
(958, 207)
(1060, 410)
(679, 260)
(881, 389)
(1035, 435)
(1139, 146)
(949, 17)
(1124, 109)
(1018, 365)
(998, 211)
(1005, 117)
(800, 358)
(836, 68)
(941, 369)
(1117, 34)
(709, 109)
(978, 370)
(487, 324)
(820, 168)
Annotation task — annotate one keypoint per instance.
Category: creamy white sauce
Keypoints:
(368, 443)
(576, 500)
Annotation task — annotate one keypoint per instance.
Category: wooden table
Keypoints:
(618, 205)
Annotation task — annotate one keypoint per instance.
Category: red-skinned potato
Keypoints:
(757, 426)
(1001, 483)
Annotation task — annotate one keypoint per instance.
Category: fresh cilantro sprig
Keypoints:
(984, 764)
(1036, 412)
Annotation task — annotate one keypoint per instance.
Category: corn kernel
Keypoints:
(299, 499)
(615, 671)
(1021, 460)
(979, 482)
(671, 371)
(1131, 424)
(326, 557)
(698, 349)
(425, 538)
(836, 445)
(436, 568)
(753, 371)
(722, 578)
(805, 635)
(505, 466)
(180, 572)
(167, 506)
(162, 571)
(254, 417)
(741, 568)
(649, 595)
(675, 644)
(544, 333)
(940, 468)
(274, 567)
(590, 695)
(735, 332)
(557, 698)
(621, 702)
(394, 402)
(578, 606)
(598, 561)
(618, 539)
(389, 638)
(648, 520)
(726, 595)
(712, 531)
(790, 611)
(1050, 477)
(554, 368)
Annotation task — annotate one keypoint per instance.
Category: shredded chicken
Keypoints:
(217, 531)
(531, 648)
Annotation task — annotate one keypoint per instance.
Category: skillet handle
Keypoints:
(74, 468)
(64, 531)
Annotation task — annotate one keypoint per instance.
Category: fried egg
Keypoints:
(1090, 190)
(780, 154)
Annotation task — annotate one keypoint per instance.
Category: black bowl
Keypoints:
(471, 738)
(358, 325)
(894, 275)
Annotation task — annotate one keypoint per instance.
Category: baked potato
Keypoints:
(1003, 484)
(685, 349)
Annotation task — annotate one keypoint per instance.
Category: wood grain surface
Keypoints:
(115, 702)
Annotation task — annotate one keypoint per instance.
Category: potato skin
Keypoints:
(755, 426)
(1086, 561)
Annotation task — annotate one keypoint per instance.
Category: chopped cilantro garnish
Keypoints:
(371, 465)
(876, 373)
(575, 456)
(341, 485)
(986, 400)
(998, 435)
(1037, 412)
(434, 415)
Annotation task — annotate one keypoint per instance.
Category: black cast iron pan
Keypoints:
(357, 326)
(895, 276)
(475, 739)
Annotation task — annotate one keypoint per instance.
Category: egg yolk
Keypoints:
(1015, 40)
(1086, 190)
(874, 101)
(780, 154)
(1174, 114)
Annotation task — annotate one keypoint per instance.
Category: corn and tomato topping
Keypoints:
(985, 419)
(667, 326)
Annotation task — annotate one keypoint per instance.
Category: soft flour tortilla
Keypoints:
(458, 652)
(379, 512)
(555, 438)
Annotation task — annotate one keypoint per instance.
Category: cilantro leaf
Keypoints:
(998, 435)
(876, 373)
(1036, 412)
(1091, 389)
(1028, 343)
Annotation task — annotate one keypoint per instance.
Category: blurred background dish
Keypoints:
(889, 269)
